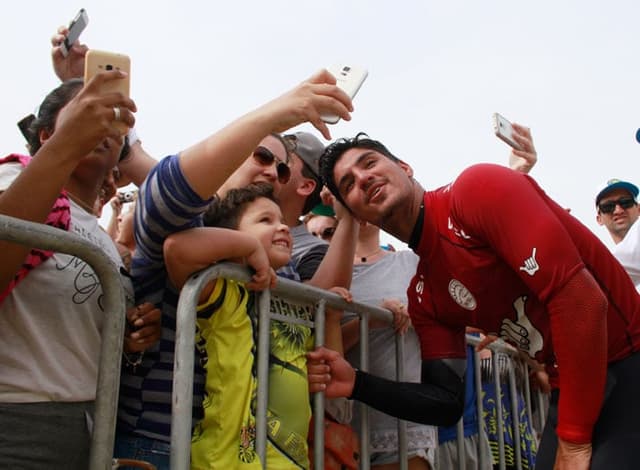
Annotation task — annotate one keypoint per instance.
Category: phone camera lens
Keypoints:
(109, 67)
(346, 68)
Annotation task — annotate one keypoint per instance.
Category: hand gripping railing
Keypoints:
(48, 238)
(185, 344)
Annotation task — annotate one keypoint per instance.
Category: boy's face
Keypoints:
(263, 219)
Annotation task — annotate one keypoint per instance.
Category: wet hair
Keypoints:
(336, 149)
(227, 212)
(48, 112)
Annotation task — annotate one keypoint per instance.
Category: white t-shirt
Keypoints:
(51, 322)
(628, 253)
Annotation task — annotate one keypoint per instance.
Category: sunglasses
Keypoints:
(609, 206)
(326, 234)
(265, 158)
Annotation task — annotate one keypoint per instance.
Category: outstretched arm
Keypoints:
(437, 400)
(209, 163)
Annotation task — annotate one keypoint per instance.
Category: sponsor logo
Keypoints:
(530, 264)
(457, 231)
(461, 295)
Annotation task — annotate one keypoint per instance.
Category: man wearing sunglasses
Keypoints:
(313, 258)
(618, 211)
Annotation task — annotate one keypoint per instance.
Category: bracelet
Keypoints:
(133, 364)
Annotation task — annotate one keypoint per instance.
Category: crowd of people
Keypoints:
(252, 193)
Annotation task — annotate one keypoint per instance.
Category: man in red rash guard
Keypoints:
(498, 254)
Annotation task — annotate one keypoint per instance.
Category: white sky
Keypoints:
(437, 71)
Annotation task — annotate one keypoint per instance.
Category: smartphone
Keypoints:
(23, 125)
(504, 131)
(99, 61)
(76, 27)
(350, 79)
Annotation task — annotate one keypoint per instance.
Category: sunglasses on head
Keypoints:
(609, 206)
(265, 157)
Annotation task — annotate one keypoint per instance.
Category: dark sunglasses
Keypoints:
(609, 206)
(326, 234)
(265, 158)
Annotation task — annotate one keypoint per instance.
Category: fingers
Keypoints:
(322, 76)
(322, 354)
(262, 280)
(146, 328)
(486, 341)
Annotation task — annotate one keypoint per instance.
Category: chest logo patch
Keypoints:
(461, 295)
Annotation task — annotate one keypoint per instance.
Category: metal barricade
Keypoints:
(512, 360)
(48, 238)
(184, 355)
(301, 293)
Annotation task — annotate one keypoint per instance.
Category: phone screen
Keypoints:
(75, 29)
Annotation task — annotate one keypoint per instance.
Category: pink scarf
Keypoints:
(59, 217)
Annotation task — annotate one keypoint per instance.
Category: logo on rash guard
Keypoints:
(521, 331)
(461, 295)
(531, 264)
(458, 231)
(420, 288)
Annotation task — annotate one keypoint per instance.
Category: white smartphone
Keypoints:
(350, 79)
(504, 131)
(76, 27)
(98, 61)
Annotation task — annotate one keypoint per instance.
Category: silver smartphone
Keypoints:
(350, 79)
(504, 131)
(76, 27)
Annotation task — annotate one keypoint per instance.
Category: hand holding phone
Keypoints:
(349, 79)
(504, 131)
(76, 27)
(99, 61)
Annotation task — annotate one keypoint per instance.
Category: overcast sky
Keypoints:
(437, 72)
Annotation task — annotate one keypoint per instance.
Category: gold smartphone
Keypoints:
(99, 61)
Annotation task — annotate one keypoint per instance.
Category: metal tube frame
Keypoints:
(48, 238)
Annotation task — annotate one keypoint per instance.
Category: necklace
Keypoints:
(363, 259)
(80, 202)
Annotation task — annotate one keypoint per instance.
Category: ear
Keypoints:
(43, 135)
(406, 168)
(306, 187)
(599, 219)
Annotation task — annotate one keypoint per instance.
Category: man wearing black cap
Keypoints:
(618, 211)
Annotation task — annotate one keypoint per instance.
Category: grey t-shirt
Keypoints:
(388, 278)
(308, 252)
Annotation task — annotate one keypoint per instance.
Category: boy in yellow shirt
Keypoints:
(246, 227)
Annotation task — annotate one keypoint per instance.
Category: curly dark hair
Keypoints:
(48, 112)
(336, 149)
(226, 212)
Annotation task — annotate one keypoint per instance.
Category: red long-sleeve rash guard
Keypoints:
(497, 253)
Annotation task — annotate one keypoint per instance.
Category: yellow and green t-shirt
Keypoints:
(227, 331)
